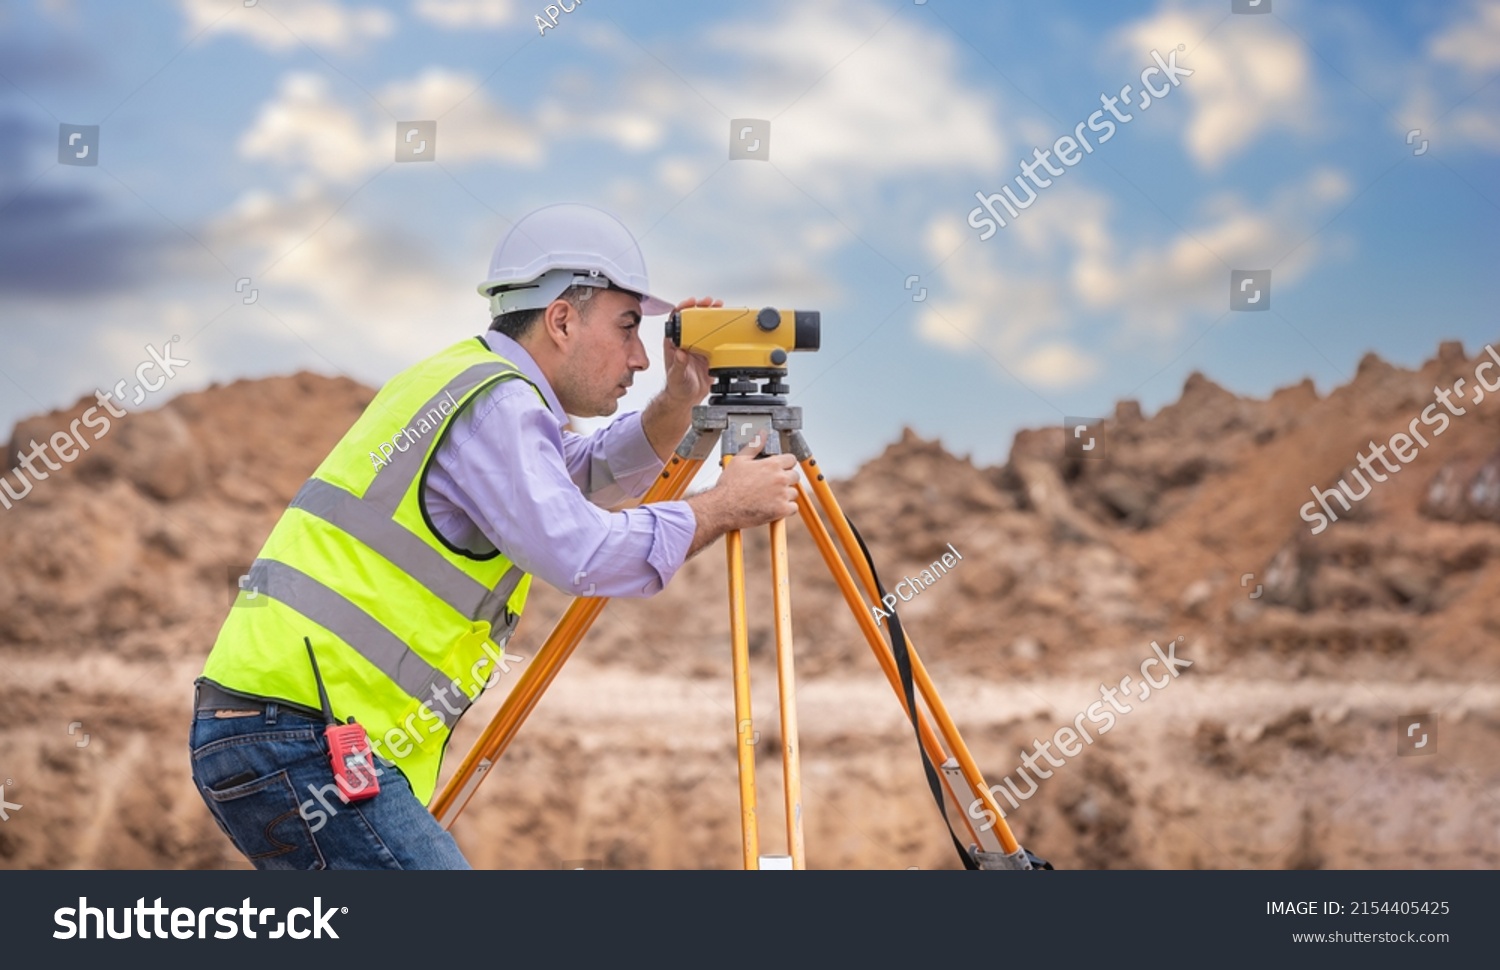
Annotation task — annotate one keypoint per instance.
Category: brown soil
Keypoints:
(1276, 749)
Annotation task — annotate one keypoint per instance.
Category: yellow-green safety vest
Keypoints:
(407, 627)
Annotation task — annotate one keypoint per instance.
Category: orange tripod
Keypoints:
(952, 773)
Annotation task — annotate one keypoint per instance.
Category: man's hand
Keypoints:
(687, 372)
(666, 419)
(749, 493)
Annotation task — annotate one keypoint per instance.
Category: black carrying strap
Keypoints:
(902, 653)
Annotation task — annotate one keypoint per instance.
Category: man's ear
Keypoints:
(559, 322)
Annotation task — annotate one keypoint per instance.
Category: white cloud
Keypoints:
(458, 14)
(1477, 127)
(1442, 101)
(333, 277)
(1156, 288)
(1059, 364)
(861, 105)
(845, 103)
(1021, 296)
(471, 126)
(682, 173)
(636, 128)
(339, 275)
(1474, 43)
(761, 240)
(1016, 317)
(306, 129)
(317, 23)
(844, 106)
(851, 115)
(1248, 77)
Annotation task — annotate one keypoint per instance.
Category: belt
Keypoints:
(209, 696)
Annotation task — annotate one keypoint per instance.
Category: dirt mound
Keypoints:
(1278, 747)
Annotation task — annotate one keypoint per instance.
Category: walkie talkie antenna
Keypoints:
(322, 691)
(349, 752)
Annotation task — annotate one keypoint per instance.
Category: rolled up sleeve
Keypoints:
(613, 464)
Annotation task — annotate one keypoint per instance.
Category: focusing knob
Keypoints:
(768, 319)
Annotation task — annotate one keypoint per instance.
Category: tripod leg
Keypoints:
(744, 736)
(923, 682)
(866, 621)
(786, 686)
(538, 676)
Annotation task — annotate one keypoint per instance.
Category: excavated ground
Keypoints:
(1277, 748)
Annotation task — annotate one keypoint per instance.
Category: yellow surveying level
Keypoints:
(741, 339)
(744, 345)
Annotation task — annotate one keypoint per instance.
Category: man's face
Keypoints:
(605, 355)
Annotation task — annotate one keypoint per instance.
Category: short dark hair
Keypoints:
(517, 323)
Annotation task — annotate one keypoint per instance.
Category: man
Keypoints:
(406, 559)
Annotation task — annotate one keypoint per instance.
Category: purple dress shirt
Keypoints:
(509, 477)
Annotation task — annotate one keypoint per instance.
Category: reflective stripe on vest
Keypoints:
(366, 522)
(405, 625)
(382, 648)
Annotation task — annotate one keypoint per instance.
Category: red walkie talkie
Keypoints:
(348, 747)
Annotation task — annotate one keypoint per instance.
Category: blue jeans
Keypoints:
(267, 780)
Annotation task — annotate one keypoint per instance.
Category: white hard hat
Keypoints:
(562, 245)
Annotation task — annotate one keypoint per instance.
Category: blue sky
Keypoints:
(258, 142)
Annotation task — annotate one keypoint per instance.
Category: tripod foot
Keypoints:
(1020, 859)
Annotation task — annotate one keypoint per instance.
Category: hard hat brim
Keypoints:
(655, 306)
